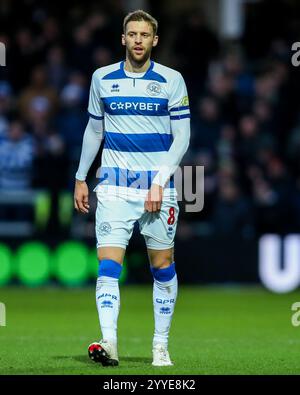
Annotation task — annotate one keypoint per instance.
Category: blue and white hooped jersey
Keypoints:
(138, 110)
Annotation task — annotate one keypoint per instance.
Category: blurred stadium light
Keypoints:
(33, 264)
(6, 264)
(71, 263)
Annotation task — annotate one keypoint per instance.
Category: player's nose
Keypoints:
(138, 39)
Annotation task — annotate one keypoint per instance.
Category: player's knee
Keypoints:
(114, 253)
(161, 259)
(161, 263)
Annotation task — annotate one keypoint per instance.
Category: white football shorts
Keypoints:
(115, 219)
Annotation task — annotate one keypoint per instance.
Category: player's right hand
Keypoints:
(81, 197)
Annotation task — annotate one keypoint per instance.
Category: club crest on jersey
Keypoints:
(153, 89)
(115, 88)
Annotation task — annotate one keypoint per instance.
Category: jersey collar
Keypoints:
(144, 76)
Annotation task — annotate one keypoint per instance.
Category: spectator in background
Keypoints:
(52, 165)
(263, 112)
(5, 106)
(24, 52)
(39, 100)
(249, 139)
(195, 37)
(17, 152)
(206, 124)
(244, 80)
(226, 144)
(56, 68)
(277, 175)
(266, 87)
(233, 214)
(50, 34)
(221, 87)
(72, 118)
(81, 49)
(293, 148)
(268, 209)
(105, 31)
(102, 56)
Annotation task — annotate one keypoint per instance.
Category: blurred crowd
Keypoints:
(245, 112)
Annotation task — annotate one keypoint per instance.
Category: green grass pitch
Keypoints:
(215, 330)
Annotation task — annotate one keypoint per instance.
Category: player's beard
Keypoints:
(138, 60)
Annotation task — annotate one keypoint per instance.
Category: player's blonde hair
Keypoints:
(140, 15)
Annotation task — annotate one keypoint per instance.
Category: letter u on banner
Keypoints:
(274, 277)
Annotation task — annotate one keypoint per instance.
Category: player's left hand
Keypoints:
(81, 197)
(154, 198)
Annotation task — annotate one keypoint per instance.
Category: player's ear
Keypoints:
(123, 39)
(155, 41)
